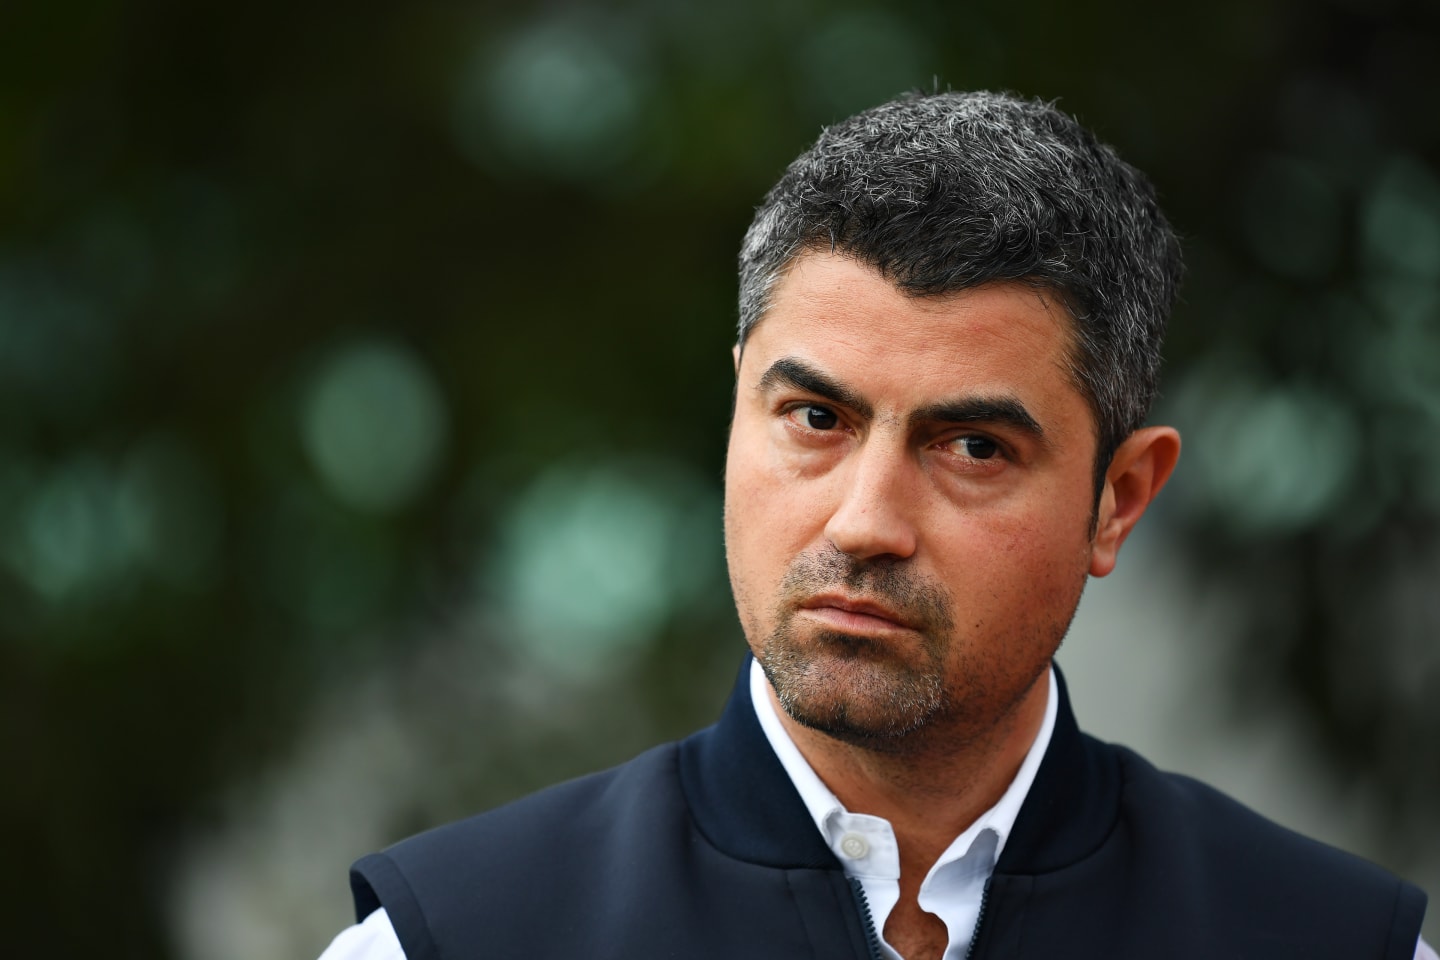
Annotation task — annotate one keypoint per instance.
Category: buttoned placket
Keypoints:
(867, 850)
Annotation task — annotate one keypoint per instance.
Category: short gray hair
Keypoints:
(946, 191)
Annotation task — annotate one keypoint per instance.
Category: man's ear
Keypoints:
(735, 352)
(1138, 470)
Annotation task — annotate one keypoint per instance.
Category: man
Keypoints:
(951, 310)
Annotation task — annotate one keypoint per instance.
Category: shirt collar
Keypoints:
(823, 805)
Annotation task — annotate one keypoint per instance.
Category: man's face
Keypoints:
(908, 501)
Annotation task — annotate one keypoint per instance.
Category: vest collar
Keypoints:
(744, 803)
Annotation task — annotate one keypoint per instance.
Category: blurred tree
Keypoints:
(298, 307)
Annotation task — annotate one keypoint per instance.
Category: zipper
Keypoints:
(871, 937)
(979, 919)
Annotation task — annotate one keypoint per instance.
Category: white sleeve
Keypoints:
(374, 939)
(1423, 951)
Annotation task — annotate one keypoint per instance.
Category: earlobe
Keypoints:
(1138, 470)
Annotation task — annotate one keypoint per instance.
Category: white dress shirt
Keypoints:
(864, 845)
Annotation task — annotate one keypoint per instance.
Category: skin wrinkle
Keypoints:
(1000, 189)
(791, 372)
(1006, 410)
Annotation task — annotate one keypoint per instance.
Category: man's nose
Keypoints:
(877, 500)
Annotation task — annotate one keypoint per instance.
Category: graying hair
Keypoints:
(946, 191)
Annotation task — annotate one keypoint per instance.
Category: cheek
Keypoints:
(761, 530)
(757, 562)
(768, 505)
(752, 506)
(1015, 565)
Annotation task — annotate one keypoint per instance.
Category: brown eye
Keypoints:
(981, 448)
(820, 419)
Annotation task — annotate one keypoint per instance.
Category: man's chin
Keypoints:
(853, 724)
(856, 693)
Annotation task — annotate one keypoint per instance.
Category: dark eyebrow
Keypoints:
(799, 375)
(998, 410)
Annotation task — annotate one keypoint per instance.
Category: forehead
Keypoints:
(1005, 338)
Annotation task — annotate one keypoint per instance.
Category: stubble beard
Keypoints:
(862, 690)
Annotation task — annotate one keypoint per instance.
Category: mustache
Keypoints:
(921, 600)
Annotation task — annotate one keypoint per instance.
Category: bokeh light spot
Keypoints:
(562, 96)
(374, 426)
(72, 539)
(592, 560)
(1268, 457)
(170, 512)
(1401, 226)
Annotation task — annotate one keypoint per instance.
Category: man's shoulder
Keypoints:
(1167, 794)
(1162, 858)
(1219, 840)
(590, 806)
(554, 839)
(618, 859)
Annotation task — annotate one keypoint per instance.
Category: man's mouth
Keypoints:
(854, 614)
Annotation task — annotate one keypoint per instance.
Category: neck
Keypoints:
(933, 788)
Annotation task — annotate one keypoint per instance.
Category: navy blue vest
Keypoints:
(703, 849)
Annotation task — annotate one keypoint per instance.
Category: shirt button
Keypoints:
(854, 846)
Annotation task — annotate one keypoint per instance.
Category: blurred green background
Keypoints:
(364, 377)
